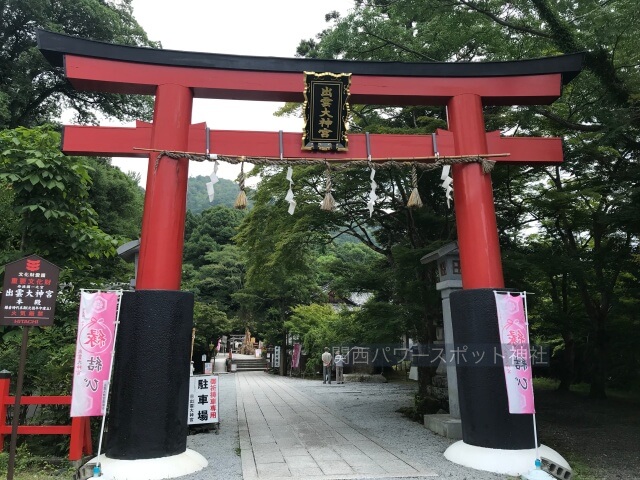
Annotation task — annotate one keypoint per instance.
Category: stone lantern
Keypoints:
(448, 264)
(129, 253)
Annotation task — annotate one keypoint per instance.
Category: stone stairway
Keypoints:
(250, 364)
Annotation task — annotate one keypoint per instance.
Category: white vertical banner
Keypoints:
(94, 353)
(276, 357)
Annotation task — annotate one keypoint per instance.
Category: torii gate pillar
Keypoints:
(165, 200)
(152, 362)
(473, 197)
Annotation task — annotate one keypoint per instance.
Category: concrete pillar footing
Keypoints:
(508, 462)
(173, 466)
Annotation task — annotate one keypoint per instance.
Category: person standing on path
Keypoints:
(339, 362)
(327, 358)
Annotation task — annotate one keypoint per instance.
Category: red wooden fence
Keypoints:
(79, 428)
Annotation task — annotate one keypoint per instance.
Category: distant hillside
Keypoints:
(226, 192)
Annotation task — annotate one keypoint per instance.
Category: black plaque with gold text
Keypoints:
(29, 292)
(326, 110)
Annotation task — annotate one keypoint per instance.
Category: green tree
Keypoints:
(279, 257)
(210, 324)
(219, 277)
(582, 208)
(214, 270)
(346, 268)
(116, 198)
(209, 231)
(318, 326)
(50, 199)
(31, 90)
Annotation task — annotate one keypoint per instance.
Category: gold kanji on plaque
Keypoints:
(326, 111)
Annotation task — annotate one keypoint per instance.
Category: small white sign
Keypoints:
(203, 399)
(276, 357)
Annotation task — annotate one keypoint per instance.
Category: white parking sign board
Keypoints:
(203, 399)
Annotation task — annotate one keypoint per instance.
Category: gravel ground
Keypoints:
(370, 408)
(222, 450)
(601, 438)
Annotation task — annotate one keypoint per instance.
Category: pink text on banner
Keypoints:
(94, 348)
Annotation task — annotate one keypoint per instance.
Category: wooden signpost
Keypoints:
(28, 300)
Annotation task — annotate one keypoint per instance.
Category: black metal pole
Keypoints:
(16, 404)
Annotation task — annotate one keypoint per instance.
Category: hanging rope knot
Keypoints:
(241, 200)
(414, 198)
(487, 165)
(160, 155)
(328, 203)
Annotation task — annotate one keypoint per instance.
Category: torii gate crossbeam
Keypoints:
(128, 142)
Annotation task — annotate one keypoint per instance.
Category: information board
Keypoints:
(29, 292)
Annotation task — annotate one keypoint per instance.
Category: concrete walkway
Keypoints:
(285, 433)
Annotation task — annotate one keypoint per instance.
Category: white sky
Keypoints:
(242, 27)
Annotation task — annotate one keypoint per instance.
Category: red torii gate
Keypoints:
(175, 78)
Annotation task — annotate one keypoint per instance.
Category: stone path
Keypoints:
(285, 434)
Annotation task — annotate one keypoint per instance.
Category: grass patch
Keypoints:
(580, 470)
(29, 467)
(543, 383)
(411, 413)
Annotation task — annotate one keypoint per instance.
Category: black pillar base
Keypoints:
(484, 408)
(150, 392)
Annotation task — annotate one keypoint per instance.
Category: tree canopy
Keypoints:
(567, 232)
(50, 199)
(31, 90)
(73, 211)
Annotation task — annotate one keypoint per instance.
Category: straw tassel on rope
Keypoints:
(414, 198)
(241, 200)
(328, 203)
